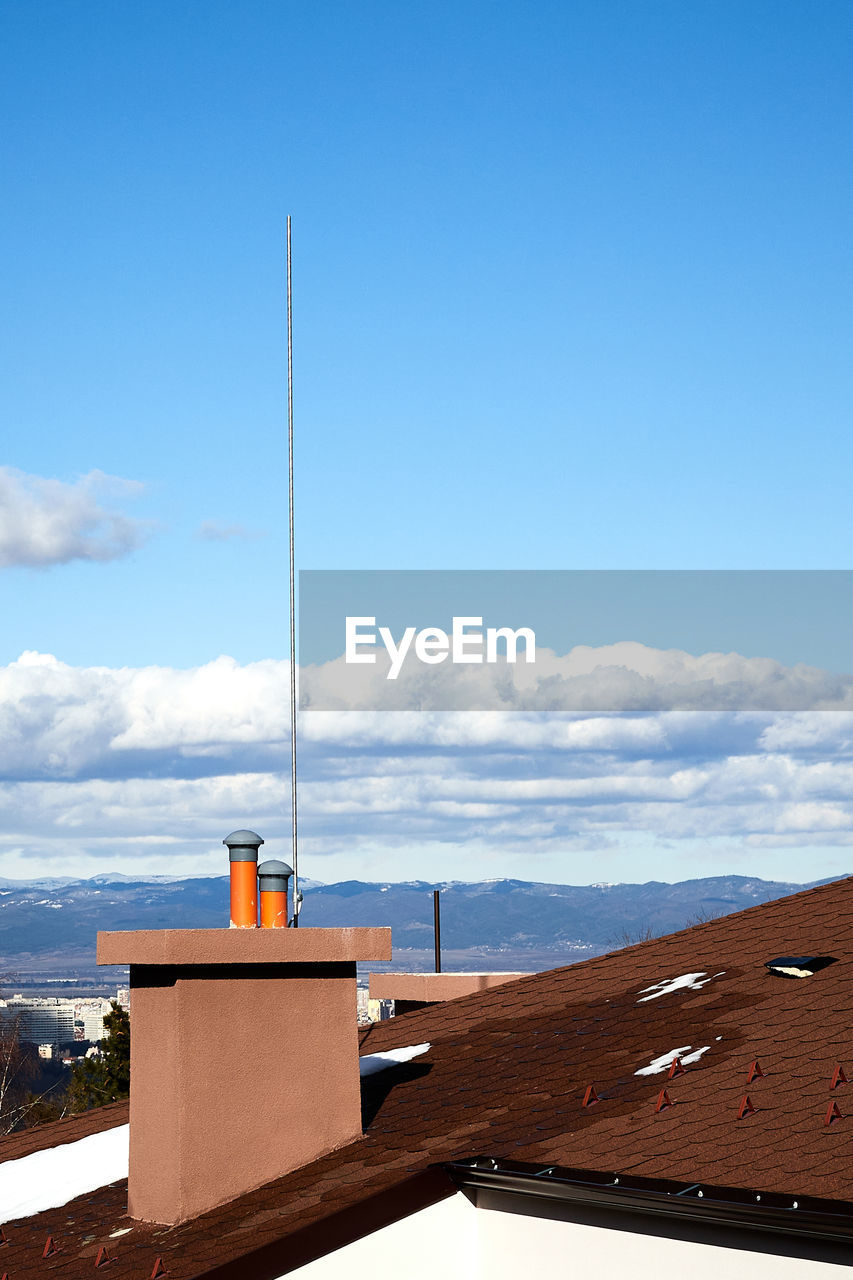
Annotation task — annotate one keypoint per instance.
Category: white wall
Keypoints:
(409, 1249)
(514, 1245)
(453, 1240)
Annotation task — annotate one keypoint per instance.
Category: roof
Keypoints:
(506, 1076)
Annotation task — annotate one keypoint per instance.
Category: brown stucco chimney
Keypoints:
(220, 1019)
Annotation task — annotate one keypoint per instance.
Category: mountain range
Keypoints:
(510, 922)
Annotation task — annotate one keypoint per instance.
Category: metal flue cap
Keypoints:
(243, 846)
(273, 876)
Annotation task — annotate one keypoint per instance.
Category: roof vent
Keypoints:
(798, 966)
(272, 884)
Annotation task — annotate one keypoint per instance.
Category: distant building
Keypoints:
(40, 1021)
(53, 1020)
(91, 1014)
(372, 1010)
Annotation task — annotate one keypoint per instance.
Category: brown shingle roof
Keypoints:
(506, 1074)
(58, 1132)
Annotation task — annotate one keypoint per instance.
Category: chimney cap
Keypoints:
(243, 845)
(273, 876)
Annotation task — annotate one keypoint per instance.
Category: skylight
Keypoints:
(798, 966)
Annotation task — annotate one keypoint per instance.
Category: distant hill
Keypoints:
(507, 918)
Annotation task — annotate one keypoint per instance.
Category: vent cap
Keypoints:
(243, 845)
(273, 876)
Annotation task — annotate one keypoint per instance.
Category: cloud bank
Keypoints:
(627, 678)
(46, 522)
(150, 767)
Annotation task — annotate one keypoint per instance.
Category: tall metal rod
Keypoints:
(292, 584)
(436, 915)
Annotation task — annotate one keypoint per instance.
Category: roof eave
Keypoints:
(700, 1203)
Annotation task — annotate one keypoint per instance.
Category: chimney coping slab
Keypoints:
(433, 988)
(243, 946)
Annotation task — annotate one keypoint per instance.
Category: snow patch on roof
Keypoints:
(49, 1179)
(371, 1062)
(665, 1061)
(687, 981)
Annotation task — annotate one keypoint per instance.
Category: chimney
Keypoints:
(222, 1019)
(411, 991)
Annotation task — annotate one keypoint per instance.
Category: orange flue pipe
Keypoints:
(243, 859)
(272, 879)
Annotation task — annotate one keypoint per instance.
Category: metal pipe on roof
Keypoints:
(297, 897)
(243, 861)
(272, 883)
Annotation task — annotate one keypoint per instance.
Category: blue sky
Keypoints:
(572, 284)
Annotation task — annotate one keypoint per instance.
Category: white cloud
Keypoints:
(811, 731)
(152, 766)
(627, 678)
(47, 522)
(58, 720)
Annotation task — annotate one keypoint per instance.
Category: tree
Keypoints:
(20, 1069)
(16, 1069)
(98, 1080)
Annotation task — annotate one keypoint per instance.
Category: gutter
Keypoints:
(804, 1216)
